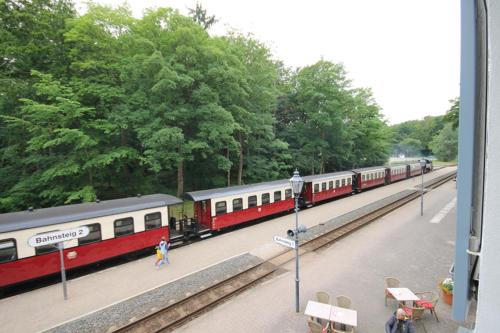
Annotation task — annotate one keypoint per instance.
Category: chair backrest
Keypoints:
(347, 330)
(391, 282)
(417, 313)
(315, 327)
(323, 297)
(429, 296)
(344, 302)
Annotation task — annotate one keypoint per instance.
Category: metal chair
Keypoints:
(344, 301)
(415, 313)
(428, 300)
(390, 282)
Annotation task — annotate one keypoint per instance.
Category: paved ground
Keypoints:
(88, 293)
(401, 244)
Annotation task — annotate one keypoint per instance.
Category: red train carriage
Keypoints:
(326, 186)
(395, 173)
(414, 169)
(368, 177)
(225, 207)
(116, 227)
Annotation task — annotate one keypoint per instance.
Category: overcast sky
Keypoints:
(406, 51)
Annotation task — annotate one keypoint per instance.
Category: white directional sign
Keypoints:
(58, 236)
(284, 241)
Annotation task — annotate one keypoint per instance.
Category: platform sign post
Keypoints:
(57, 239)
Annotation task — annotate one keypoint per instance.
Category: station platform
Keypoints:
(417, 250)
(99, 291)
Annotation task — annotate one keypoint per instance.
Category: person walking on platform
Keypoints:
(163, 247)
(399, 323)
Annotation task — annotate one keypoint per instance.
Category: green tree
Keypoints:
(199, 15)
(60, 162)
(445, 145)
(452, 114)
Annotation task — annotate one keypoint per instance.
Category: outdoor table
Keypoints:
(318, 310)
(403, 294)
(344, 316)
(332, 313)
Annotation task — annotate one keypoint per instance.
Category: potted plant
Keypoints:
(446, 287)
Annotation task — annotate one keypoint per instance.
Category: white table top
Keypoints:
(403, 294)
(344, 316)
(318, 310)
(332, 313)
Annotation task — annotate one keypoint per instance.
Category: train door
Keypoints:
(202, 213)
(387, 175)
(307, 193)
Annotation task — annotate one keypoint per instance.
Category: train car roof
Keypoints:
(234, 190)
(368, 169)
(327, 175)
(62, 214)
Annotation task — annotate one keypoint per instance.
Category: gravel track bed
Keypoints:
(122, 313)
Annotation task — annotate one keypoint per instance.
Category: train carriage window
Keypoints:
(220, 208)
(8, 250)
(265, 198)
(93, 236)
(330, 184)
(316, 188)
(237, 204)
(343, 182)
(124, 226)
(153, 220)
(288, 193)
(337, 183)
(252, 201)
(349, 181)
(323, 186)
(46, 248)
(277, 196)
(363, 177)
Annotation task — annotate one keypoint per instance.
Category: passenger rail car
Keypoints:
(225, 207)
(395, 173)
(326, 186)
(368, 177)
(116, 227)
(414, 169)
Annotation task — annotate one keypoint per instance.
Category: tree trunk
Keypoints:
(180, 178)
(240, 168)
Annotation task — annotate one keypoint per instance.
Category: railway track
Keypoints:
(174, 315)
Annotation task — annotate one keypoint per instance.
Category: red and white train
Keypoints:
(127, 225)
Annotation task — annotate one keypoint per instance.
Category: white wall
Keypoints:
(488, 311)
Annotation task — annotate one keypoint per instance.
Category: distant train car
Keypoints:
(395, 173)
(224, 207)
(414, 169)
(116, 227)
(368, 177)
(326, 186)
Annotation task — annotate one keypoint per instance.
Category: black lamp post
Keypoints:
(297, 183)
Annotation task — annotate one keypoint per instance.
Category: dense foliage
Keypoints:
(104, 105)
(432, 135)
